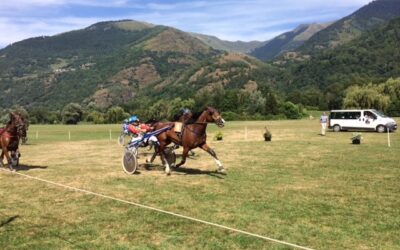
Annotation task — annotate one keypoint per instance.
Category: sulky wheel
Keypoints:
(129, 162)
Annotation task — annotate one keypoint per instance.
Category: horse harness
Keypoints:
(7, 133)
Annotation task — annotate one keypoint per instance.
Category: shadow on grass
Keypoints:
(24, 167)
(191, 156)
(8, 221)
(195, 171)
(181, 170)
(28, 144)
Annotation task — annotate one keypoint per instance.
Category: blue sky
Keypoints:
(227, 19)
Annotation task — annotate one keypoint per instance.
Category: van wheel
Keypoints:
(381, 129)
(336, 128)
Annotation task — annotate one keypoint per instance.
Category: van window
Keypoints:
(337, 115)
(346, 115)
(370, 115)
(380, 113)
(353, 115)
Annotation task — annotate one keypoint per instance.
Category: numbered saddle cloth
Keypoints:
(178, 127)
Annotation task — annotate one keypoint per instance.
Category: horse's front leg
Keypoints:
(6, 153)
(15, 158)
(184, 156)
(209, 150)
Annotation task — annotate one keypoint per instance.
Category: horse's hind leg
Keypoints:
(209, 150)
(154, 154)
(161, 149)
(1, 159)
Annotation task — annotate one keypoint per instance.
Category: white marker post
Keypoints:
(110, 135)
(388, 133)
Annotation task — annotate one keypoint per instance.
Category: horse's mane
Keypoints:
(176, 117)
(194, 117)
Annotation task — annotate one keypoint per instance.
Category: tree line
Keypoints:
(234, 104)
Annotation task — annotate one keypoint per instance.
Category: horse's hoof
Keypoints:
(221, 170)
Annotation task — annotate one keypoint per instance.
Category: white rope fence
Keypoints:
(159, 210)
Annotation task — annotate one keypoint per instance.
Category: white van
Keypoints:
(360, 119)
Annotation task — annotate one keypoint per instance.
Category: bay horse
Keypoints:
(193, 135)
(10, 137)
(182, 117)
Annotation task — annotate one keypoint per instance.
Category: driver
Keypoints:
(138, 129)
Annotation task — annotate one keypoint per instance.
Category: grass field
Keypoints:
(303, 188)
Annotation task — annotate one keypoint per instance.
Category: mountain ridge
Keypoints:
(344, 30)
(287, 41)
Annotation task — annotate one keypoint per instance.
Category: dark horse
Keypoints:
(193, 135)
(10, 137)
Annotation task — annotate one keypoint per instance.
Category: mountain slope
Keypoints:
(104, 64)
(287, 41)
(238, 46)
(352, 26)
(372, 57)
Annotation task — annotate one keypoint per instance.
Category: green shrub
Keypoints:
(291, 111)
(218, 136)
(267, 135)
(356, 138)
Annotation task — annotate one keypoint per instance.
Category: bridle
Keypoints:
(218, 120)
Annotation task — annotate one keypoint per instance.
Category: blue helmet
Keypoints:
(133, 118)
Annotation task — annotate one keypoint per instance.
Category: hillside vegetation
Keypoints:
(134, 67)
(373, 57)
(288, 41)
(238, 46)
(103, 64)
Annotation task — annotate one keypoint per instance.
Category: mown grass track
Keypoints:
(319, 192)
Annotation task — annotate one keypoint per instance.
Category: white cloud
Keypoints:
(31, 27)
(19, 4)
(247, 20)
